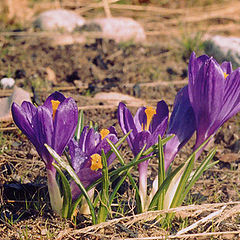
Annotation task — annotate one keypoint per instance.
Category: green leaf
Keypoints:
(134, 185)
(185, 176)
(164, 186)
(118, 144)
(161, 172)
(67, 195)
(80, 126)
(74, 176)
(198, 172)
(118, 171)
(104, 204)
(183, 181)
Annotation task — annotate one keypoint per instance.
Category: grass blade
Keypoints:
(104, 204)
(80, 126)
(161, 172)
(183, 181)
(198, 172)
(118, 154)
(163, 187)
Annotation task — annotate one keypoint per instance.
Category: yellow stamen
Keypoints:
(55, 104)
(104, 132)
(225, 75)
(96, 162)
(150, 112)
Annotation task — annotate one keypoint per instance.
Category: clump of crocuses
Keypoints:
(53, 123)
(211, 97)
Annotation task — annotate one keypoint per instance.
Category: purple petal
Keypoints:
(194, 65)
(86, 176)
(160, 118)
(126, 123)
(90, 141)
(226, 67)
(231, 100)
(106, 147)
(160, 130)
(140, 140)
(112, 130)
(57, 96)
(29, 109)
(22, 117)
(65, 123)
(43, 129)
(206, 95)
(78, 157)
(182, 124)
(140, 119)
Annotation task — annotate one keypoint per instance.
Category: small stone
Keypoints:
(224, 48)
(58, 19)
(51, 76)
(7, 82)
(229, 157)
(120, 29)
(18, 96)
(114, 98)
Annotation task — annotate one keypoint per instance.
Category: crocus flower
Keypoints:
(214, 93)
(86, 155)
(52, 123)
(146, 126)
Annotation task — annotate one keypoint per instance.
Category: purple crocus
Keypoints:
(146, 126)
(214, 93)
(86, 155)
(52, 123)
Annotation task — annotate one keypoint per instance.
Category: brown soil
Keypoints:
(152, 71)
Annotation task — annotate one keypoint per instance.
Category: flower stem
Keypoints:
(142, 185)
(54, 193)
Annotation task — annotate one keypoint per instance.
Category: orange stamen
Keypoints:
(150, 112)
(104, 132)
(55, 104)
(96, 162)
(225, 75)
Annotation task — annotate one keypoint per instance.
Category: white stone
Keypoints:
(58, 19)
(7, 82)
(114, 98)
(18, 96)
(224, 48)
(120, 29)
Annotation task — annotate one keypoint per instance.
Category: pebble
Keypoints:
(58, 19)
(120, 29)
(224, 48)
(7, 82)
(114, 98)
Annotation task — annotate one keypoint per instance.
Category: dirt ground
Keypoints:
(151, 71)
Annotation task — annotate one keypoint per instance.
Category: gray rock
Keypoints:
(58, 19)
(224, 49)
(120, 29)
(7, 82)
